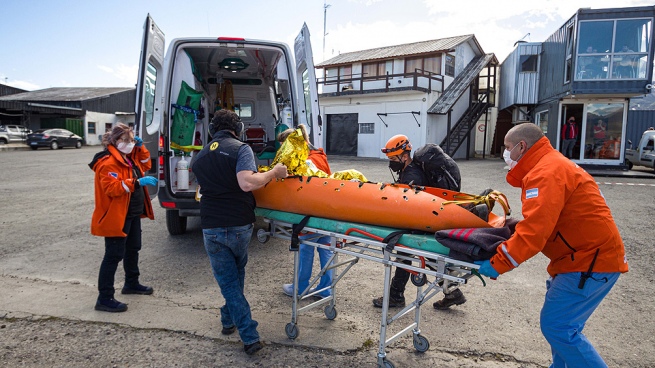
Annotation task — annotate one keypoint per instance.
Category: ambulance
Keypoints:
(179, 90)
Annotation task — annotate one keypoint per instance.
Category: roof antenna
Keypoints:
(522, 40)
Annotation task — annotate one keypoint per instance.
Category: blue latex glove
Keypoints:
(487, 269)
(148, 180)
(138, 141)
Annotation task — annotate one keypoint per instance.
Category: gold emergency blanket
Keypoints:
(293, 154)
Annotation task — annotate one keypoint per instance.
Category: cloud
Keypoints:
(29, 86)
(128, 73)
(497, 25)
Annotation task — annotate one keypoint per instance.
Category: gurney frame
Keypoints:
(443, 271)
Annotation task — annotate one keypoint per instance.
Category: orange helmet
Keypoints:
(396, 145)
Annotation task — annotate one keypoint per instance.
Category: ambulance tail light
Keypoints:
(168, 204)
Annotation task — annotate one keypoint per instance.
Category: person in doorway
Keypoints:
(316, 160)
(567, 219)
(227, 174)
(399, 151)
(569, 137)
(121, 200)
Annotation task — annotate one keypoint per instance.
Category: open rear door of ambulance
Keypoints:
(148, 94)
(307, 96)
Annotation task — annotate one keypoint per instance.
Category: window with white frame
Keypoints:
(542, 121)
(450, 65)
(92, 127)
(613, 49)
(366, 128)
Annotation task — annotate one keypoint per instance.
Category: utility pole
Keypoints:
(325, 8)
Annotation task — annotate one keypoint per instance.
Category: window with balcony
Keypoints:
(613, 49)
(338, 73)
(430, 64)
(377, 69)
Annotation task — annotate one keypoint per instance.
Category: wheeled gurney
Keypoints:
(432, 271)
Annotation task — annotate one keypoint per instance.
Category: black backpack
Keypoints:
(439, 168)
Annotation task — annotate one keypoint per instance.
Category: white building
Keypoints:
(432, 91)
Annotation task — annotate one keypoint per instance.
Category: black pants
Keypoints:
(399, 281)
(121, 249)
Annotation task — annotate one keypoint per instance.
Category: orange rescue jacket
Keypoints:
(318, 157)
(565, 217)
(114, 181)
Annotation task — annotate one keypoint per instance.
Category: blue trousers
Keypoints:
(227, 248)
(306, 257)
(565, 312)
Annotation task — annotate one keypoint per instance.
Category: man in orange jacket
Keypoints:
(567, 219)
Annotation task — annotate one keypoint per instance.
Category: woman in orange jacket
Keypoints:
(121, 200)
(565, 218)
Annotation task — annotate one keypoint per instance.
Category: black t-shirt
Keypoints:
(136, 206)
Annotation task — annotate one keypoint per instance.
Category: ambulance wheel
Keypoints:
(419, 280)
(175, 223)
(386, 363)
(421, 344)
(330, 312)
(262, 236)
(292, 330)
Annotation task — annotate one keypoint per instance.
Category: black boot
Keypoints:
(396, 297)
(455, 297)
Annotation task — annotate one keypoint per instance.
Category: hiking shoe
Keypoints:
(393, 302)
(137, 289)
(456, 297)
(287, 289)
(253, 348)
(110, 305)
(482, 211)
(228, 330)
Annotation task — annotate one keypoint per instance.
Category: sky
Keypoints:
(82, 43)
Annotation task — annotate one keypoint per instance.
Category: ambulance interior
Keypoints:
(251, 80)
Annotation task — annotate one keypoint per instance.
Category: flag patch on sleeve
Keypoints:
(532, 193)
(113, 175)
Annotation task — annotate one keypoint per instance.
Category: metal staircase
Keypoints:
(459, 133)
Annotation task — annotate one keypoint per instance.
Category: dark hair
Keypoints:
(112, 136)
(224, 120)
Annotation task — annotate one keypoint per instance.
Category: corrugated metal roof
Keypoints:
(416, 48)
(460, 84)
(65, 94)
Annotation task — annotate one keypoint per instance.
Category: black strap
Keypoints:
(393, 238)
(585, 275)
(295, 230)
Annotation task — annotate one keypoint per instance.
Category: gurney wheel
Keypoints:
(419, 280)
(330, 312)
(262, 235)
(421, 344)
(386, 363)
(292, 330)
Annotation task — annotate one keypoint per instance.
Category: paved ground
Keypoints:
(49, 264)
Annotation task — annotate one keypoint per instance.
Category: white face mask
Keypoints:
(508, 160)
(126, 148)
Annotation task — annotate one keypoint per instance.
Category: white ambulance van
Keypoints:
(178, 93)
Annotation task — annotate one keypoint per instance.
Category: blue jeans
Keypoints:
(227, 248)
(565, 312)
(118, 249)
(306, 256)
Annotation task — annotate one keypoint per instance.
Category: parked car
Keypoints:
(644, 154)
(53, 138)
(13, 133)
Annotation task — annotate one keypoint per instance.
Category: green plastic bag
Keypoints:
(184, 120)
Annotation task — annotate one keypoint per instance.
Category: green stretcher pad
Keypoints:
(425, 242)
